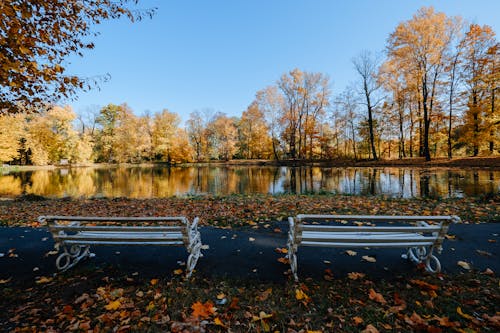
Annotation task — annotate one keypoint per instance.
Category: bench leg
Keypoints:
(194, 250)
(424, 255)
(71, 257)
(292, 258)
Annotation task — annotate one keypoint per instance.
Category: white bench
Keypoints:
(73, 235)
(421, 239)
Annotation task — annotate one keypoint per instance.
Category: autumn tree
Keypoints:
(164, 134)
(305, 97)
(271, 102)
(479, 61)
(36, 38)
(253, 137)
(11, 132)
(419, 46)
(222, 135)
(367, 67)
(51, 136)
(197, 133)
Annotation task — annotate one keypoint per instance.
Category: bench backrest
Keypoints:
(308, 230)
(167, 230)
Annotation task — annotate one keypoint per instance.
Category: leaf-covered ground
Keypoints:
(240, 210)
(94, 301)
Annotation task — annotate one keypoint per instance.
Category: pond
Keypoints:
(155, 182)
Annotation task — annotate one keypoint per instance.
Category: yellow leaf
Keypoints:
(309, 331)
(221, 296)
(154, 282)
(300, 295)
(462, 314)
(113, 305)
(178, 271)
(150, 306)
(218, 322)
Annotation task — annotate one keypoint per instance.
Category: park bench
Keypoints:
(421, 238)
(73, 235)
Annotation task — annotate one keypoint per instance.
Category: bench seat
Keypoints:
(425, 234)
(73, 235)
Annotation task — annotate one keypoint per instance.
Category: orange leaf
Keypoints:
(424, 285)
(154, 282)
(357, 320)
(203, 310)
(178, 271)
(462, 314)
(374, 296)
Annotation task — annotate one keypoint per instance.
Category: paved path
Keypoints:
(245, 253)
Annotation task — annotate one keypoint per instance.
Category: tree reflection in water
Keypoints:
(155, 182)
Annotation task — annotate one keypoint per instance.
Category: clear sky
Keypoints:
(198, 54)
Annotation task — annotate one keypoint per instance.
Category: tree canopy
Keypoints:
(37, 36)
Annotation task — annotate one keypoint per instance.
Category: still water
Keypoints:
(155, 182)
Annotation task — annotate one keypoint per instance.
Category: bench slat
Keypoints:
(366, 237)
(376, 229)
(391, 218)
(353, 245)
(119, 242)
(122, 236)
(115, 219)
(118, 228)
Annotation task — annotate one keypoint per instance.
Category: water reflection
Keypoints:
(152, 182)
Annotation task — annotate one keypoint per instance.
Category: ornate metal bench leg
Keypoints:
(194, 250)
(416, 254)
(71, 257)
(292, 258)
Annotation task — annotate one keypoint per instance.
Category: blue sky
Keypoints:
(198, 54)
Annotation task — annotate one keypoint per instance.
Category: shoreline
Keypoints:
(490, 162)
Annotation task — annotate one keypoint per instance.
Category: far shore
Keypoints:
(489, 162)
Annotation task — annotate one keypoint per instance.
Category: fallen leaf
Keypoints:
(284, 260)
(251, 239)
(351, 252)
(150, 306)
(51, 253)
(218, 322)
(221, 296)
(5, 281)
(357, 320)
(355, 275)
(369, 259)
(300, 295)
(424, 285)
(484, 253)
(111, 306)
(281, 250)
(370, 329)
(262, 296)
(462, 314)
(178, 271)
(154, 282)
(374, 296)
(205, 247)
(463, 264)
(43, 279)
(203, 310)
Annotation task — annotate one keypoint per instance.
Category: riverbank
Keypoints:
(487, 162)
(244, 210)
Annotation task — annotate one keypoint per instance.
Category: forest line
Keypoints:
(434, 93)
